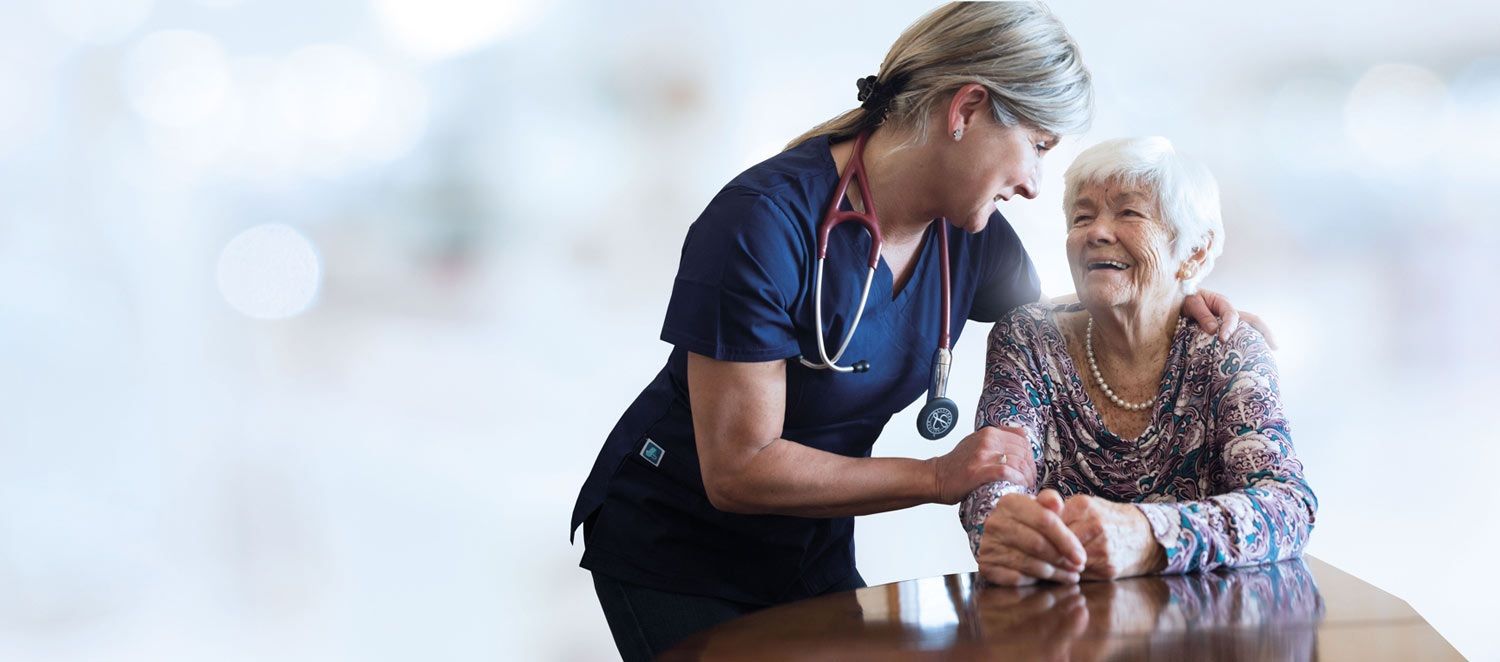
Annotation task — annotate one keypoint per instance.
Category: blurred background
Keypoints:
(314, 315)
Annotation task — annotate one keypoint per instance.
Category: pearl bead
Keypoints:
(1099, 378)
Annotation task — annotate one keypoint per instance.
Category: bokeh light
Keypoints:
(269, 271)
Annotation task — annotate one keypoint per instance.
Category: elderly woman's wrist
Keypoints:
(1151, 558)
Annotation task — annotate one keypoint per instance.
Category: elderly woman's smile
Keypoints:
(1116, 242)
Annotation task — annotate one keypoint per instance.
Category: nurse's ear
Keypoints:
(968, 103)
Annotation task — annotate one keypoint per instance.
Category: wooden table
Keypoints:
(1293, 610)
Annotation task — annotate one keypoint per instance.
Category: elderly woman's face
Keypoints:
(1119, 247)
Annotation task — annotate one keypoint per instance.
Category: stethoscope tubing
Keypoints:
(832, 364)
(855, 170)
(940, 413)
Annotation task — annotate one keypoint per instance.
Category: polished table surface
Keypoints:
(1302, 609)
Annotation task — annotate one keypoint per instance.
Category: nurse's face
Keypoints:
(991, 164)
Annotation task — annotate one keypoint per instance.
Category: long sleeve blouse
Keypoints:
(1214, 472)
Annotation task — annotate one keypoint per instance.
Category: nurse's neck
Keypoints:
(898, 182)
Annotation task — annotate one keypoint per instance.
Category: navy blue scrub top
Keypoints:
(744, 292)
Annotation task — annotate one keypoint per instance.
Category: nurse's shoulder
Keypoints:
(790, 188)
(745, 261)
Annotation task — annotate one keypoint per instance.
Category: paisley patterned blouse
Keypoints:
(1214, 472)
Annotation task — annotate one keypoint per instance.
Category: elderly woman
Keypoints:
(1161, 448)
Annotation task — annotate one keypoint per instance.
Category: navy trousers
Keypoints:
(646, 622)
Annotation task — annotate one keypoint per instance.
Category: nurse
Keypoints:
(732, 481)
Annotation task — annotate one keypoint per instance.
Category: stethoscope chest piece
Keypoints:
(937, 418)
(940, 413)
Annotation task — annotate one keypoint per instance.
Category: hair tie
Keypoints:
(875, 95)
(867, 87)
(875, 98)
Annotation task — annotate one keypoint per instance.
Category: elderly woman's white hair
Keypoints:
(1186, 193)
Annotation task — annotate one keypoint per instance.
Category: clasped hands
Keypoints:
(1046, 537)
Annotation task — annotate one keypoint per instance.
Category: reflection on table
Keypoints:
(1293, 610)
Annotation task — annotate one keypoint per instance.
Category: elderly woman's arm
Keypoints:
(1012, 397)
(1267, 509)
(1026, 540)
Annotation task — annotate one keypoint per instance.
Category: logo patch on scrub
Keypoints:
(653, 453)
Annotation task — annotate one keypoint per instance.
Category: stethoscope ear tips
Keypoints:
(861, 366)
(937, 418)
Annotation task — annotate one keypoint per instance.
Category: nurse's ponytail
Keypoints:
(1018, 51)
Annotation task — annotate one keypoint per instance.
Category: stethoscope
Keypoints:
(940, 413)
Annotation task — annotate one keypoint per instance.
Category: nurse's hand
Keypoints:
(1025, 540)
(988, 455)
(1213, 313)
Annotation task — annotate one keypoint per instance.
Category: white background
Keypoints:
(314, 315)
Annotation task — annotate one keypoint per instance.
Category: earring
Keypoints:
(958, 134)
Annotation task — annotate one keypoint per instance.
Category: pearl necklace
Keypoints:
(1094, 366)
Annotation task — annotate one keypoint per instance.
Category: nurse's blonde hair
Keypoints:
(1018, 51)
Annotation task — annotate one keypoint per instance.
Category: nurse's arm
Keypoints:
(738, 415)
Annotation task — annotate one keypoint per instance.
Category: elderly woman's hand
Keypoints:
(1116, 537)
(1208, 308)
(1025, 539)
